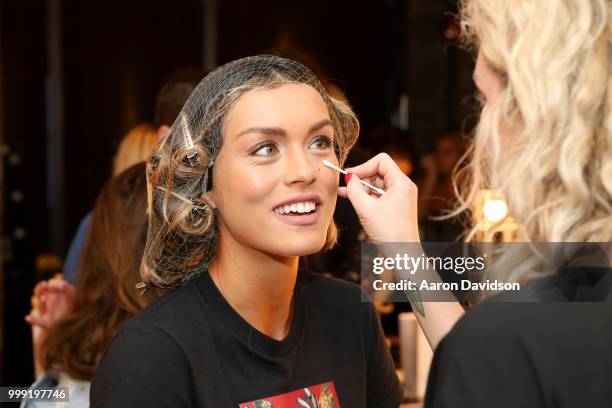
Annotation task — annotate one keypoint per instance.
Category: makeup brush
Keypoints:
(327, 163)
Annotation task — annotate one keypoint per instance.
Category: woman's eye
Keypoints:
(266, 149)
(322, 143)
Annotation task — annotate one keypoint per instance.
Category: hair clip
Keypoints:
(184, 199)
(207, 176)
(155, 160)
(142, 287)
(193, 158)
(196, 216)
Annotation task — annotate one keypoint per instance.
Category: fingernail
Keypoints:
(347, 177)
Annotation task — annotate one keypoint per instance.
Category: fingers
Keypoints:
(358, 194)
(47, 293)
(69, 290)
(380, 165)
(56, 284)
(55, 299)
(376, 182)
(35, 321)
(40, 288)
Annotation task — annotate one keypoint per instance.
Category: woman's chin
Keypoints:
(300, 247)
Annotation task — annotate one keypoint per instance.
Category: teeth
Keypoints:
(299, 208)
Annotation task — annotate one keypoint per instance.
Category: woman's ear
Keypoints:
(210, 199)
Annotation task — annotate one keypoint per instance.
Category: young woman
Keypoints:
(244, 327)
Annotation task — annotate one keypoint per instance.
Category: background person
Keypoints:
(76, 331)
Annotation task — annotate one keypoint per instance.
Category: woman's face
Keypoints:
(271, 191)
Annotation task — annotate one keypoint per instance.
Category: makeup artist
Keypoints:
(544, 70)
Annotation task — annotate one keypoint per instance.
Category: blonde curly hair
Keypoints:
(546, 142)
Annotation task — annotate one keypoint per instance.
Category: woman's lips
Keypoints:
(300, 219)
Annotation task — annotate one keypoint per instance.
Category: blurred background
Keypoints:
(76, 75)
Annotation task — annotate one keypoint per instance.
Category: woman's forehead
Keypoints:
(287, 105)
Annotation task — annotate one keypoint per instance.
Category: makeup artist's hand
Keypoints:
(391, 217)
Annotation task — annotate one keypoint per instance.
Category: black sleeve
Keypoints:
(384, 389)
(485, 362)
(142, 367)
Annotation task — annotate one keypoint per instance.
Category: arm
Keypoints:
(392, 217)
(437, 319)
(52, 301)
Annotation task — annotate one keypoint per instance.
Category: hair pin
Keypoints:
(193, 158)
(155, 160)
(184, 199)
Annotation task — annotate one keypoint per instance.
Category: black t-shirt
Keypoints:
(190, 348)
(531, 349)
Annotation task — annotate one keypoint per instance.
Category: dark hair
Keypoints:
(107, 274)
(174, 93)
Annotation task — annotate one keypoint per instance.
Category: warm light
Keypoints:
(495, 210)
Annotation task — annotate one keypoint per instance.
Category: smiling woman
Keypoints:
(244, 327)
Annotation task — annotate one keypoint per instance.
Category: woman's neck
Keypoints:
(258, 286)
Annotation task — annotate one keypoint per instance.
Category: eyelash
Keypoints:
(270, 143)
(324, 138)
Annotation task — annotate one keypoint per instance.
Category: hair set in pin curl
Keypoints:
(182, 236)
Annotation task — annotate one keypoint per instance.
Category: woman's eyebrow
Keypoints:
(266, 130)
(277, 131)
(319, 125)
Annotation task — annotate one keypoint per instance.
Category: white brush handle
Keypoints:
(365, 183)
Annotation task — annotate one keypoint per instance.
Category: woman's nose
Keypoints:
(299, 168)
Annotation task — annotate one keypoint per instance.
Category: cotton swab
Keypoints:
(327, 163)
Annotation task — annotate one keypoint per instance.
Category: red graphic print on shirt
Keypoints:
(316, 396)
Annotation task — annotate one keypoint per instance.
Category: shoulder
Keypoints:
(141, 360)
(153, 333)
(173, 310)
(148, 362)
(499, 333)
(487, 324)
(514, 317)
(139, 340)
